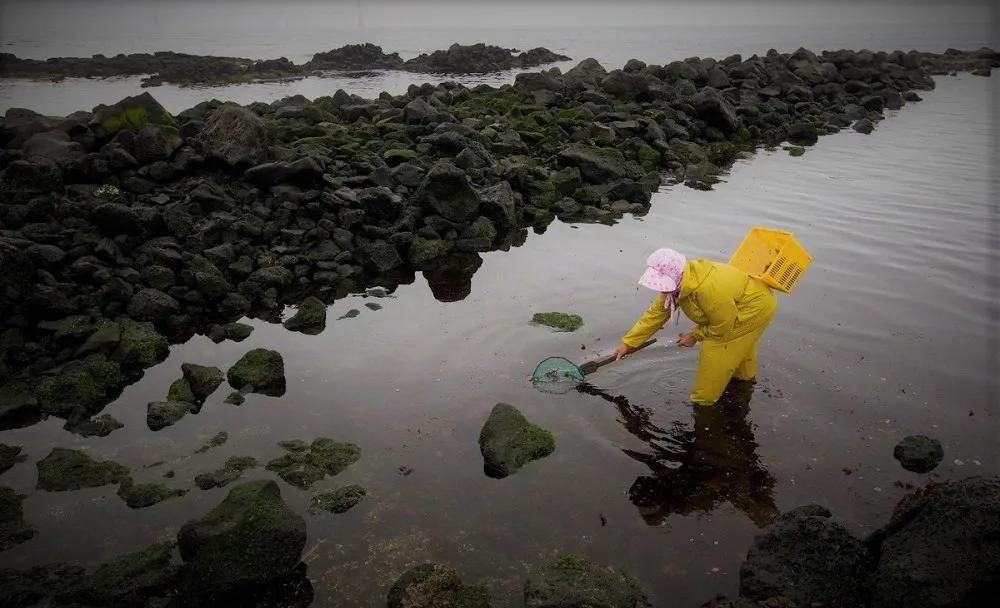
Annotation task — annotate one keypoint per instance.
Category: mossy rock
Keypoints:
(259, 370)
(304, 467)
(572, 580)
(130, 579)
(231, 471)
(251, 538)
(64, 470)
(508, 441)
(180, 390)
(132, 113)
(237, 332)
(795, 150)
(543, 194)
(219, 439)
(141, 347)
(340, 500)
(90, 384)
(161, 414)
(202, 379)
(436, 586)
(13, 529)
(9, 456)
(310, 318)
(142, 495)
(648, 158)
(558, 320)
(101, 426)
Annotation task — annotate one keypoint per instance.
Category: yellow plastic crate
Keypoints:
(773, 256)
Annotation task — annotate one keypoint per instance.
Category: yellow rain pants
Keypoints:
(730, 310)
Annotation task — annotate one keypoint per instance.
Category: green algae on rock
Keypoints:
(436, 586)
(558, 320)
(237, 332)
(310, 318)
(100, 426)
(180, 391)
(161, 414)
(9, 456)
(259, 370)
(306, 464)
(340, 500)
(87, 384)
(231, 471)
(13, 529)
(131, 579)
(141, 347)
(251, 537)
(142, 495)
(202, 380)
(508, 441)
(65, 469)
(220, 438)
(572, 581)
(796, 150)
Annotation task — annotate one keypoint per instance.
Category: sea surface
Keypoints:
(893, 330)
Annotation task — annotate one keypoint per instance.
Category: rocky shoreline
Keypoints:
(185, 69)
(125, 228)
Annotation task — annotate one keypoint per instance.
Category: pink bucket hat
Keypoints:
(664, 273)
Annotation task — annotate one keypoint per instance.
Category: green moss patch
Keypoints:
(304, 465)
(558, 320)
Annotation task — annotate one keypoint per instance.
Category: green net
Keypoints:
(556, 375)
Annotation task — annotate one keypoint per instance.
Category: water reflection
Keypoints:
(450, 279)
(696, 470)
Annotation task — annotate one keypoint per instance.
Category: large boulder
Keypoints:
(235, 136)
(597, 165)
(250, 539)
(710, 105)
(132, 113)
(508, 441)
(806, 557)
(941, 548)
(447, 191)
(52, 145)
(156, 142)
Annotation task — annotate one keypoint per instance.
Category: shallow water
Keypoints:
(893, 331)
(888, 334)
(654, 33)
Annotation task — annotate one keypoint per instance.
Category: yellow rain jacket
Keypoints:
(730, 310)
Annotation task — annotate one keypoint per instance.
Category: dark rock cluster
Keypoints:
(186, 69)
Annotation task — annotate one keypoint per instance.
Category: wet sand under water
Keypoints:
(887, 335)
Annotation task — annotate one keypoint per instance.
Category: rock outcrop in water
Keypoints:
(941, 548)
(185, 69)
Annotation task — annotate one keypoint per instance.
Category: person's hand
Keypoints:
(686, 339)
(623, 351)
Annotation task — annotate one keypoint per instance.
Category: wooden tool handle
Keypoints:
(592, 366)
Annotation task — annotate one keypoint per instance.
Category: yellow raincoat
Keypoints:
(730, 309)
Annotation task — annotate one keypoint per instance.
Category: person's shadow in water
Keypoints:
(696, 470)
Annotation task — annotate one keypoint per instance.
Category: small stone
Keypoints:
(219, 439)
(340, 500)
(918, 453)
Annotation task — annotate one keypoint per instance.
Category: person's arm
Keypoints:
(721, 317)
(648, 324)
